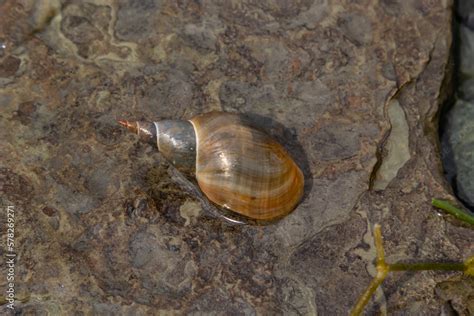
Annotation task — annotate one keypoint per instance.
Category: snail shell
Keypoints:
(236, 166)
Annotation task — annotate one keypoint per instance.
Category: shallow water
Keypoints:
(103, 226)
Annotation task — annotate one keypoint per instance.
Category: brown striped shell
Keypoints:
(239, 167)
(243, 169)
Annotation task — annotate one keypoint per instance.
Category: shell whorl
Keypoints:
(244, 169)
(176, 140)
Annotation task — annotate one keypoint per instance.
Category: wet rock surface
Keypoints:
(103, 227)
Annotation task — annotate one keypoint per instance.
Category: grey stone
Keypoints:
(457, 148)
(466, 66)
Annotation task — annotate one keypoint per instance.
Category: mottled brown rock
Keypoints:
(8, 66)
(104, 227)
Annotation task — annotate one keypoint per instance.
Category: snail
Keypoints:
(236, 166)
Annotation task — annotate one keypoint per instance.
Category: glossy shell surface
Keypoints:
(244, 169)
